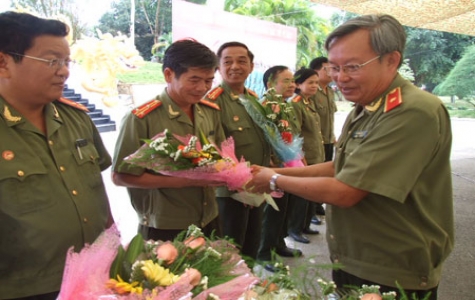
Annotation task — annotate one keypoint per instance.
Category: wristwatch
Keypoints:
(273, 184)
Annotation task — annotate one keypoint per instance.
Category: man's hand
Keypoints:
(260, 180)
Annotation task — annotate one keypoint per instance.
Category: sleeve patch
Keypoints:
(73, 104)
(146, 108)
(297, 98)
(214, 94)
(210, 104)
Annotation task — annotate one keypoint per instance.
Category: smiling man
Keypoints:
(51, 192)
(240, 222)
(167, 205)
(389, 189)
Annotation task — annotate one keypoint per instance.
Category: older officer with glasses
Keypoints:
(389, 191)
(51, 192)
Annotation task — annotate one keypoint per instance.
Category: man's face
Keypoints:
(34, 82)
(190, 87)
(284, 84)
(364, 85)
(235, 65)
(323, 76)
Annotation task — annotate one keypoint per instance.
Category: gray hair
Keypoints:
(386, 33)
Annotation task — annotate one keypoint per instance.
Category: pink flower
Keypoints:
(275, 108)
(167, 252)
(371, 296)
(194, 276)
(194, 242)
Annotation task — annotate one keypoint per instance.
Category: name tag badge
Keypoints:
(360, 134)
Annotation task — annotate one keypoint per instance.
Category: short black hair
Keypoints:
(18, 30)
(235, 44)
(301, 75)
(188, 53)
(317, 63)
(271, 73)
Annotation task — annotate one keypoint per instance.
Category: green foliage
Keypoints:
(118, 20)
(149, 73)
(312, 29)
(433, 54)
(461, 79)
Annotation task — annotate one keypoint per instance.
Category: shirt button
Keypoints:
(205, 203)
(62, 169)
(240, 128)
(202, 224)
(85, 220)
(332, 237)
(50, 142)
(74, 192)
(21, 173)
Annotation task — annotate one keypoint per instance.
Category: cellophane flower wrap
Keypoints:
(273, 114)
(192, 157)
(189, 267)
(197, 158)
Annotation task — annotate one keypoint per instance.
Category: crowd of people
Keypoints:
(386, 189)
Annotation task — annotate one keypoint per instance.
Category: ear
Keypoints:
(393, 59)
(252, 67)
(5, 61)
(168, 74)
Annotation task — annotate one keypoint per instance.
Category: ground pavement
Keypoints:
(458, 280)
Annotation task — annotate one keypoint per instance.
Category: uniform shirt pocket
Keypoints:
(240, 133)
(24, 186)
(87, 159)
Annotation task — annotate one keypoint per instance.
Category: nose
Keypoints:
(63, 71)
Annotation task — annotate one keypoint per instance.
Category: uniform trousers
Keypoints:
(274, 228)
(151, 233)
(242, 223)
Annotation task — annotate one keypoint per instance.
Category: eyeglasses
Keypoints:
(347, 69)
(52, 63)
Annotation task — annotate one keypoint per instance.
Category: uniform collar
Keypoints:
(175, 112)
(228, 90)
(378, 102)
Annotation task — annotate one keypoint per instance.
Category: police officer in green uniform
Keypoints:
(167, 205)
(300, 210)
(326, 107)
(325, 102)
(240, 222)
(52, 196)
(274, 224)
(389, 190)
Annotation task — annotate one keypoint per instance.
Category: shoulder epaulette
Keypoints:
(73, 104)
(214, 94)
(146, 108)
(252, 93)
(393, 99)
(210, 104)
(297, 98)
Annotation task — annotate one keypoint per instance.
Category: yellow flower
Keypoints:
(121, 287)
(157, 274)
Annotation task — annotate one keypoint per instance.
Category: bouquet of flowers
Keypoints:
(274, 116)
(197, 158)
(189, 267)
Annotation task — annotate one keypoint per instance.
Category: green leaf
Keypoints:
(116, 266)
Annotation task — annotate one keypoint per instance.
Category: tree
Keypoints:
(433, 54)
(461, 79)
(56, 8)
(312, 29)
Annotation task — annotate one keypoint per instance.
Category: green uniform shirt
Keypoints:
(249, 139)
(51, 196)
(168, 208)
(308, 121)
(403, 230)
(326, 108)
